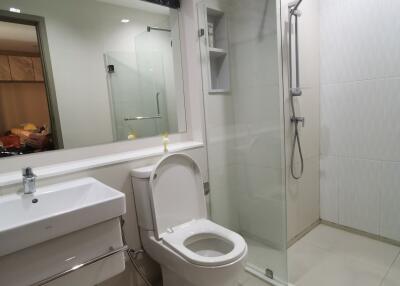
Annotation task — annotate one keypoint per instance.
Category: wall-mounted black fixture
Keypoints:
(111, 69)
(169, 3)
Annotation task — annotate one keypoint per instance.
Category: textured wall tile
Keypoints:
(359, 186)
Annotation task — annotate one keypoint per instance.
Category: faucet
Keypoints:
(29, 181)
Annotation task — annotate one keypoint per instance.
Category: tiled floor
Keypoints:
(331, 257)
(250, 280)
(260, 256)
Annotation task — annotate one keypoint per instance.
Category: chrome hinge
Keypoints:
(269, 273)
(202, 32)
(207, 189)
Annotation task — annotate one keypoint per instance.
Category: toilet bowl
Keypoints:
(175, 231)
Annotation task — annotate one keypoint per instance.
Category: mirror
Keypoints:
(87, 72)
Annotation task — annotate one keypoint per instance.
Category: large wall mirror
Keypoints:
(86, 72)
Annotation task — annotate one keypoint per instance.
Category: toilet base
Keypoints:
(170, 278)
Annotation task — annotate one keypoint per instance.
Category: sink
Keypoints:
(55, 210)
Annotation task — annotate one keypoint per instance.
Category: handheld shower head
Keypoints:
(293, 8)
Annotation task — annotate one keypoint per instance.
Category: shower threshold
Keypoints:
(255, 271)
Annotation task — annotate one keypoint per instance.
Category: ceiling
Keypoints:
(140, 5)
(18, 37)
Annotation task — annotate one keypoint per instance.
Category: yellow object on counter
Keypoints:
(132, 135)
(165, 141)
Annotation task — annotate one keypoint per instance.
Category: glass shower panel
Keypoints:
(138, 88)
(240, 44)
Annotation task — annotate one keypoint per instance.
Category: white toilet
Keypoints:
(175, 231)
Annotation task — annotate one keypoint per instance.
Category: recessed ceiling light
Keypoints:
(15, 10)
(125, 21)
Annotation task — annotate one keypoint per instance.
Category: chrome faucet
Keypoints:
(29, 181)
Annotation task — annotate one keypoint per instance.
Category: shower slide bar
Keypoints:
(80, 266)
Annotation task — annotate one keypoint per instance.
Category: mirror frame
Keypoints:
(39, 23)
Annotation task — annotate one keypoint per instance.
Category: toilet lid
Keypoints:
(177, 193)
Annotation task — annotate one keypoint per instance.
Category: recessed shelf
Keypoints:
(217, 46)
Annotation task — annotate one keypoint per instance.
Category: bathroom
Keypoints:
(269, 126)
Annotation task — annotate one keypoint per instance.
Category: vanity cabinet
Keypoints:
(21, 68)
(5, 72)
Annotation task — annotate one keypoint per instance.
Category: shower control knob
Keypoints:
(297, 120)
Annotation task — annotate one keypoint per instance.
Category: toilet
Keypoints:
(175, 231)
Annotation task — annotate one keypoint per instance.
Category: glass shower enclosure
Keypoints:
(139, 83)
(240, 43)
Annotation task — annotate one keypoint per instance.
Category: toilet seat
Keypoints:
(205, 243)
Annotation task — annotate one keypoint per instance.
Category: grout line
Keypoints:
(362, 233)
(359, 158)
(304, 233)
(390, 268)
(361, 80)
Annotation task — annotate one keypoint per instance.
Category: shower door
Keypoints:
(241, 64)
(138, 85)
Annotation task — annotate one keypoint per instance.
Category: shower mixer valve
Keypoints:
(297, 120)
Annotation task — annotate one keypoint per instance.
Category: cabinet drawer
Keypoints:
(5, 72)
(21, 68)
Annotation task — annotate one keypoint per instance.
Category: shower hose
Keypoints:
(296, 142)
(132, 254)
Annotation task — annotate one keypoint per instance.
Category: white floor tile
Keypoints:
(249, 280)
(393, 277)
(329, 256)
(303, 257)
(341, 242)
(341, 271)
(262, 257)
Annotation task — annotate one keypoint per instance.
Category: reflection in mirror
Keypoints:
(70, 77)
(25, 125)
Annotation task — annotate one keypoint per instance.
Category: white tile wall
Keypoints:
(358, 40)
(359, 194)
(360, 103)
(329, 189)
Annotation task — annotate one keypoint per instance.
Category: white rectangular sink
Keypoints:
(55, 210)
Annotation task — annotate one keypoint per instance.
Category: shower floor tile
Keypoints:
(330, 257)
(393, 276)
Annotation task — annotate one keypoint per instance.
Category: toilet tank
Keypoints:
(141, 191)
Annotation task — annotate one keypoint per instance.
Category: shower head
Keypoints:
(293, 7)
(298, 4)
